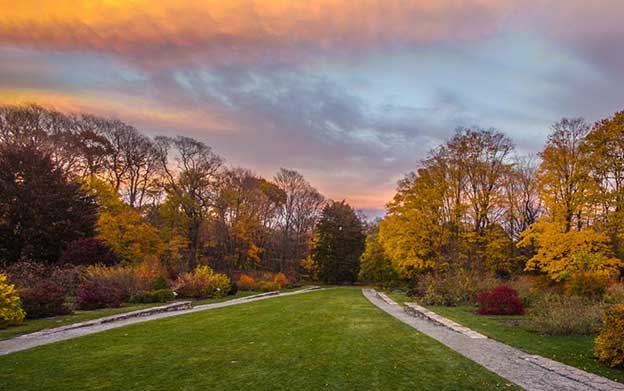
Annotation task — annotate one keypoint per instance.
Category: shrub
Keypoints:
(609, 345)
(121, 277)
(233, 289)
(453, 287)
(146, 273)
(26, 274)
(67, 276)
(156, 296)
(562, 315)
(160, 283)
(280, 279)
(10, 312)
(43, 300)
(100, 293)
(502, 300)
(587, 284)
(88, 252)
(247, 283)
(268, 286)
(202, 283)
(614, 294)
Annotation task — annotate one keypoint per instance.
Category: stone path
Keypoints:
(62, 333)
(527, 371)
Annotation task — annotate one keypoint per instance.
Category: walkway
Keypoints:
(527, 371)
(45, 337)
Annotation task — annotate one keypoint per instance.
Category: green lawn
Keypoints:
(575, 350)
(32, 325)
(333, 339)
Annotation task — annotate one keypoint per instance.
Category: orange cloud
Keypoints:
(131, 109)
(242, 27)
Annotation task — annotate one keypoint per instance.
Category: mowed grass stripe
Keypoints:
(331, 339)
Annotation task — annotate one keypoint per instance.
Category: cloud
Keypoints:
(224, 32)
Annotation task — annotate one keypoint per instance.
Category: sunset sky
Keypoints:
(350, 93)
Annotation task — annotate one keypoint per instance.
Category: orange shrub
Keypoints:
(280, 279)
(247, 283)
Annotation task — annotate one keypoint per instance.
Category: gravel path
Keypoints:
(45, 337)
(527, 371)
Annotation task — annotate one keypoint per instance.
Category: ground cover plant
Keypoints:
(333, 339)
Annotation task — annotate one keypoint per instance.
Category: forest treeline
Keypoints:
(172, 198)
(474, 205)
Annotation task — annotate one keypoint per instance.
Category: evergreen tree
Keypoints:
(339, 243)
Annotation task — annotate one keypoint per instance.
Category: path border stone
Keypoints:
(531, 372)
(44, 337)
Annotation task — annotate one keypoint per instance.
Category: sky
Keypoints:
(352, 94)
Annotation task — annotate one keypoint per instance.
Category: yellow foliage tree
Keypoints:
(122, 227)
(560, 254)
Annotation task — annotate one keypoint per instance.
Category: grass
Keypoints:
(33, 325)
(333, 339)
(574, 350)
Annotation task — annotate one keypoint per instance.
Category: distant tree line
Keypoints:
(167, 197)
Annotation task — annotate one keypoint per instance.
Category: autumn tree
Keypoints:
(375, 266)
(297, 216)
(563, 175)
(338, 244)
(604, 146)
(191, 184)
(41, 211)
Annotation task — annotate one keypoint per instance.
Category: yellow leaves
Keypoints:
(10, 312)
(560, 254)
(129, 235)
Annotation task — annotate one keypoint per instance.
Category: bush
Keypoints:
(562, 315)
(453, 287)
(67, 276)
(43, 300)
(233, 289)
(247, 283)
(147, 273)
(119, 277)
(100, 293)
(609, 345)
(280, 279)
(160, 283)
(10, 312)
(156, 296)
(27, 274)
(268, 286)
(587, 284)
(614, 294)
(202, 283)
(88, 252)
(502, 300)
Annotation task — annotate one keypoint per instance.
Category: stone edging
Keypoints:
(175, 306)
(416, 310)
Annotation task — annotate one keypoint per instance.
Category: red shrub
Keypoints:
(502, 300)
(94, 294)
(43, 300)
(88, 252)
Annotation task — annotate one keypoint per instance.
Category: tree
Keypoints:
(339, 243)
(375, 266)
(604, 146)
(297, 215)
(192, 185)
(563, 175)
(41, 211)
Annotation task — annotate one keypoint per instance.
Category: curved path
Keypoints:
(45, 337)
(528, 371)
